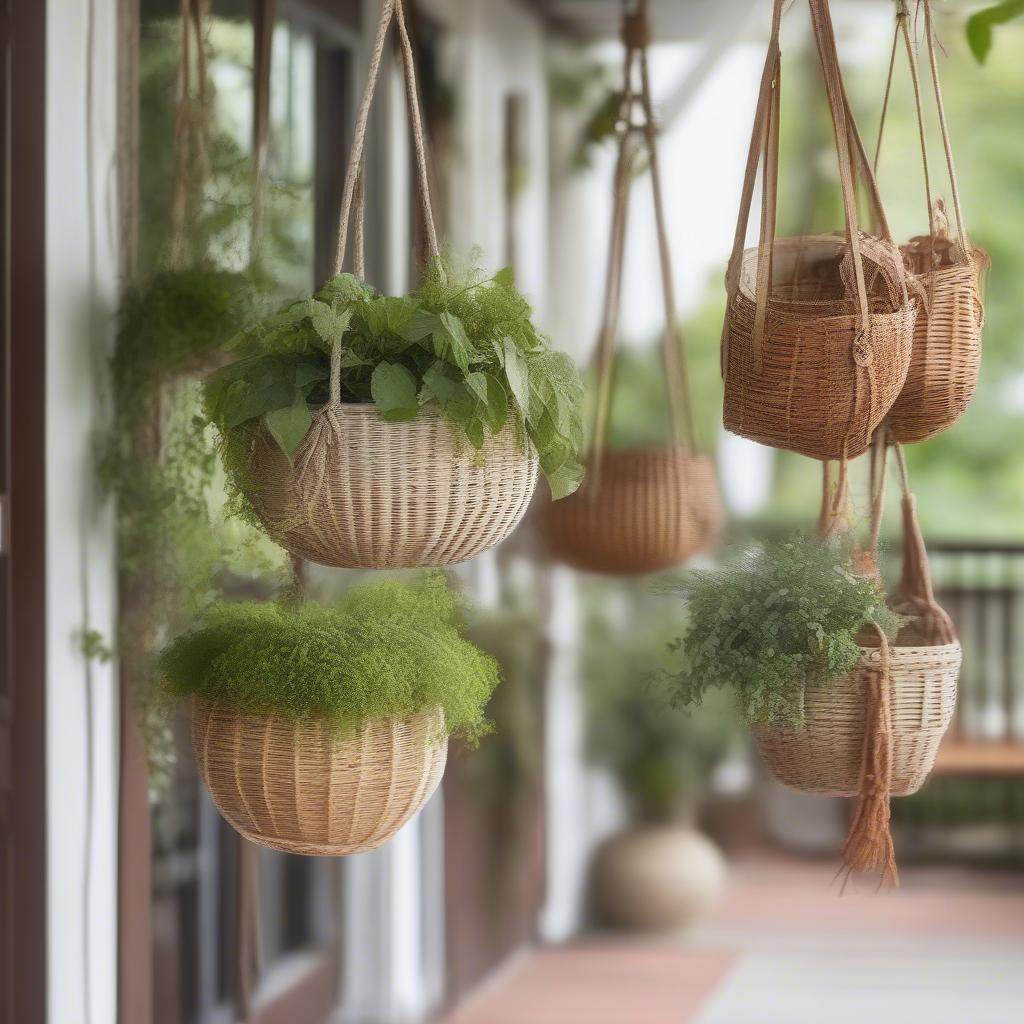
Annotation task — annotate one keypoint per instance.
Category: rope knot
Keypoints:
(863, 353)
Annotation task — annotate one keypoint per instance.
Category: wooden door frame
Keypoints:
(23, 118)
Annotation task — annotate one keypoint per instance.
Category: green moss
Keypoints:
(385, 649)
(774, 619)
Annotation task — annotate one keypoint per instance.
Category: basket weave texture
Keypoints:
(947, 350)
(821, 385)
(655, 507)
(296, 786)
(827, 755)
(366, 493)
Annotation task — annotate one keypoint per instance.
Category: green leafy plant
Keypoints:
(773, 620)
(662, 756)
(981, 24)
(385, 649)
(461, 343)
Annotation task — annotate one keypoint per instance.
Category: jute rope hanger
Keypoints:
(637, 130)
(902, 31)
(764, 151)
(352, 193)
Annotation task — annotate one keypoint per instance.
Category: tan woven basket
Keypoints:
(947, 349)
(655, 507)
(826, 757)
(821, 385)
(297, 787)
(366, 493)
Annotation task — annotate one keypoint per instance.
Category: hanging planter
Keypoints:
(362, 430)
(641, 509)
(323, 729)
(654, 509)
(819, 328)
(946, 273)
(846, 695)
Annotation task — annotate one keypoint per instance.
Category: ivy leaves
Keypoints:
(463, 345)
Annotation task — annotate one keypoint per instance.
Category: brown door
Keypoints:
(22, 518)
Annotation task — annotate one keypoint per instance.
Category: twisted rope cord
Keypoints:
(636, 37)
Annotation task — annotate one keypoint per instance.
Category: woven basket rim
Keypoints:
(206, 705)
(367, 409)
(915, 650)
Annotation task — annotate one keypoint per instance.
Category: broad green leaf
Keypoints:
(421, 325)
(475, 432)
(515, 373)
(477, 383)
(330, 326)
(351, 358)
(455, 345)
(289, 425)
(394, 390)
(439, 385)
(506, 277)
(252, 402)
(308, 372)
(980, 25)
(565, 480)
(497, 405)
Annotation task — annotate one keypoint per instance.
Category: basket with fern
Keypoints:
(322, 729)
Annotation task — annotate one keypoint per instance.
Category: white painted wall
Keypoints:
(82, 701)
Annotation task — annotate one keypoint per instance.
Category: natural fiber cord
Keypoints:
(299, 787)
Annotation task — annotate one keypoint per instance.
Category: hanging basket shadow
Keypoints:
(826, 756)
(653, 509)
(946, 354)
(366, 493)
(820, 385)
(297, 786)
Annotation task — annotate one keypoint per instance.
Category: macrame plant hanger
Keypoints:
(637, 133)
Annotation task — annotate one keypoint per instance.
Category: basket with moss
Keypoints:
(798, 632)
(322, 729)
(365, 430)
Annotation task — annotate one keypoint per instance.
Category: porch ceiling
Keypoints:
(670, 19)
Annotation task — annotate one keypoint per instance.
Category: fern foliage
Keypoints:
(773, 620)
(385, 649)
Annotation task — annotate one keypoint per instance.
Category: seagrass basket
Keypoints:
(818, 384)
(826, 756)
(365, 493)
(653, 509)
(297, 786)
(946, 355)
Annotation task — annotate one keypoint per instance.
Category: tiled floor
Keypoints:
(785, 948)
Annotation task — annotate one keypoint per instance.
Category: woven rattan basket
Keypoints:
(655, 507)
(947, 349)
(826, 757)
(818, 328)
(366, 493)
(297, 787)
(821, 384)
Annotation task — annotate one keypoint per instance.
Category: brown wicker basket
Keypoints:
(946, 357)
(819, 328)
(819, 385)
(826, 757)
(297, 787)
(366, 493)
(946, 275)
(655, 507)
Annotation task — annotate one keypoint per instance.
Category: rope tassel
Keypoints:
(868, 845)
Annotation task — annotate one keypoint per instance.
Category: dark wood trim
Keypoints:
(24, 324)
(312, 997)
